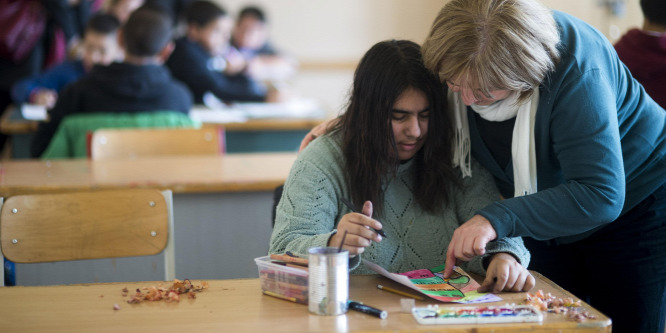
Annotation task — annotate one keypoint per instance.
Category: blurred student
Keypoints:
(100, 46)
(52, 29)
(251, 37)
(206, 62)
(139, 84)
(644, 50)
(122, 9)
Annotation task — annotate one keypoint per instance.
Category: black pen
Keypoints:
(351, 207)
(360, 307)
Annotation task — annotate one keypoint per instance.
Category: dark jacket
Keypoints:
(55, 78)
(192, 64)
(119, 87)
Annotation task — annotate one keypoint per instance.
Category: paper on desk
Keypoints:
(33, 112)
(296, 108)
(460, 288)
(218, 111)
(206, 115)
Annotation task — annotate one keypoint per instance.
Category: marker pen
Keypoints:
(360, 307)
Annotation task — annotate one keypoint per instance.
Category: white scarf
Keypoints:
(523, 152)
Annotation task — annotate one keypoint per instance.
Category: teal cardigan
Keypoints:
(600, 144)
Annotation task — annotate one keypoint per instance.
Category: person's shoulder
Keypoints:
(187, 55)
(574, 33)
(323, 151)
(187, 46)
(182, 92)
(68, 66)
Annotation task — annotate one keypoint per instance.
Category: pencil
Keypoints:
(286, 298)
(351, 207)
(290, 259)
(398, 292)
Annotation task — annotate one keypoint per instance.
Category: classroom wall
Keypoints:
(327, 31)
(328, 37)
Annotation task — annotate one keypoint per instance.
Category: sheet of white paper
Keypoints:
(297, 108)
(395, 277)
(206, 115)
(33, 112)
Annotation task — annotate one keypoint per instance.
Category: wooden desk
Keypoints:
(239, 306)
(253, 135)
(13, 123)
(222, 211)
(196, 174)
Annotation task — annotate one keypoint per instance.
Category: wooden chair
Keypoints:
(41, 228)
(144, 142)
(71, 140)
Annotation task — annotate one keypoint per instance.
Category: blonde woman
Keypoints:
(576, 147)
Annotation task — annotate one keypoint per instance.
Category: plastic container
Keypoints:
(283, 281)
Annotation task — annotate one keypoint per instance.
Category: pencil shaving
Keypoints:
(168, 295)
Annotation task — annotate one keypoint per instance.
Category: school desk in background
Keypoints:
(219, 202)
(249, 127)
(262, 127)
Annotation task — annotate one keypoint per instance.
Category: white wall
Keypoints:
(328, 37)
(342, 30)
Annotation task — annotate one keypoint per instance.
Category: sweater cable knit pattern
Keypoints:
(310, 209)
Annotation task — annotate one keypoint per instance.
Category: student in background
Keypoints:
(139, 84)
(50, 48)
(205, 61)
(250, 36)
(391, 154)
(644, 50)
(122, 9)
(100, 46)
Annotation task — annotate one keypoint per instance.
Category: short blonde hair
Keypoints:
(490, 45)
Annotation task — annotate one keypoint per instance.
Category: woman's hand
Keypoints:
(359, 236)
(505, 273)
(469, 241)
(317, 131)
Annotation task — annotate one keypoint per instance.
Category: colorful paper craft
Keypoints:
(459, 288)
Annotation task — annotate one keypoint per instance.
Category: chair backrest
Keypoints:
(145, 142)
(88, 225)
(70, 139)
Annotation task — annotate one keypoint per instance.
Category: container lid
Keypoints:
(266, 261)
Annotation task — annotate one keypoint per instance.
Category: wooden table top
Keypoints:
(13, 123)
(186, 174)
(239, 306)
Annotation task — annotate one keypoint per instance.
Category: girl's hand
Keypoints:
(359, 236)
(45, 97)
(505, 273)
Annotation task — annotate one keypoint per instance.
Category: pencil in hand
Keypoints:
(351, 207)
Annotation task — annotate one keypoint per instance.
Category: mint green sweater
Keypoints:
(310, 209)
